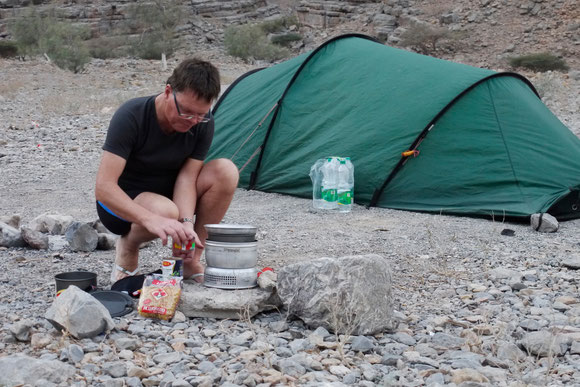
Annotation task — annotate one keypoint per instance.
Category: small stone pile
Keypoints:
(55, 232)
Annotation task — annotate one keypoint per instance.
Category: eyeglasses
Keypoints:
(198, 117)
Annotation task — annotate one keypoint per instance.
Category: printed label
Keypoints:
(159, 293)
(188, 246)
(329, 195)
(172, 267)
(345, 198)
(154, 309)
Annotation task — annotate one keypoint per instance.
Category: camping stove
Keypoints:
(231, 254)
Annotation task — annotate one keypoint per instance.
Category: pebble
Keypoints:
(362, 344)
(75, 353)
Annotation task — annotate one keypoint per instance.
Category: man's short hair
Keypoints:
(198, 76)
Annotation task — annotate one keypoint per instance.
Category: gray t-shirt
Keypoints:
(153, 158)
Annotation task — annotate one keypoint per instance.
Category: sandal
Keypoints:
(117, 268)
(196, 275)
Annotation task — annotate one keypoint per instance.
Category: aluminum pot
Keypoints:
(227, 255)
(235, 233)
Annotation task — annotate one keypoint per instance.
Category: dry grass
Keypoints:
(77, 102)
(10, 87)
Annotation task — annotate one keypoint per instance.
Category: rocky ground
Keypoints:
(475, 307)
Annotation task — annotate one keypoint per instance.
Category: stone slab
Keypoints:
(200, 301)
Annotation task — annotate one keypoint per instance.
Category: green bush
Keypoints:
(424, 37)
(250, 41)
(152, 44)
(286, 39)
(27, 31)
(541, 62)
(278, 24)
(62, 42)
(155, 25)
(8, 49)
(106, 47)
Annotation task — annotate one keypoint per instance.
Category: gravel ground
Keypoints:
(474, 305)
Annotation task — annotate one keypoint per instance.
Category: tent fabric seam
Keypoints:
(500, 127)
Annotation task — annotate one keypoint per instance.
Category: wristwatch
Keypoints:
(183, 220)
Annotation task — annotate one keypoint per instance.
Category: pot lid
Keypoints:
(231, 229)
(117, 303)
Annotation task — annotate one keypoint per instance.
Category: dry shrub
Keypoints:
(285, 40)
(8, 49)
(106, 47)
(9, 87)
(250, 41)
(154, 27)
(278, 24)
(540, 62)
(61, 41)
(424, 37)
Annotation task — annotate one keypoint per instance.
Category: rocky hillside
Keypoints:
(491, 30)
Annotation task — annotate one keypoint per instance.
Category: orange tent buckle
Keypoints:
(408, 153)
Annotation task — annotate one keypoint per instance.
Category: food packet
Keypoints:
(159, 297)
(172, 267)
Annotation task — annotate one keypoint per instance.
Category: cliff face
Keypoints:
(104, 16)
(491, 29)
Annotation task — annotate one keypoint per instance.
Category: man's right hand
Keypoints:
(166, 227)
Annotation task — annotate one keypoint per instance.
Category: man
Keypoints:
(152, 181)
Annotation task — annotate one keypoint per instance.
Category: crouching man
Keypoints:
(152, 181)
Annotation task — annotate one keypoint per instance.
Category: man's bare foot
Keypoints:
(193, 270)
(125, 264)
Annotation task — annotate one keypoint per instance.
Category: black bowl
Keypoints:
(85, 280)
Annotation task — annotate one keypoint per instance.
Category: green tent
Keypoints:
(477, 142)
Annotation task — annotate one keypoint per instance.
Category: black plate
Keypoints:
(117, 303)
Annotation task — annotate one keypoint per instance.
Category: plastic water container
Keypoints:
(316, 177)
(330, 183)
(345, 185)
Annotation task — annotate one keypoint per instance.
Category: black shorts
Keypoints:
(113, 222)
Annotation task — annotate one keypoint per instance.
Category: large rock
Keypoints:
(16, 370)
(54, 224)
(544, 222)
(350, 295)
(57, 242)
(34, 239)
(106, 241)
(545, 344)
(21, 330)
(10, 236)
(572, 262)
(12, 220)
(200, 301)
(82, 237)
(81, 314)
(449, 18)
(98, 225)
(388, 22)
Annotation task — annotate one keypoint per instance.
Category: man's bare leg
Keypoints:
(127, 251)
(216, 186)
